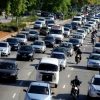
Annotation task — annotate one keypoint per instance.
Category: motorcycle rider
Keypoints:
(93, 36)
(75, 83)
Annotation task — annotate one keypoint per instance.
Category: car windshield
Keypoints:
(97, 45)
(12, 40)
(34, 89)
(20, 36)
(73, 41)
(47, 67)
(37, 22)
(48, 38)
(81, 31)
(41, 19)
(96, 81)
(3, 44)
(38, 43)
(65, 45)
(78, 37)
(50, 22)
(61, 49)
(76, 19)
(55, 31)
(7, 65)
(66, 29)
(95, 57)
(33, 32)
(58, 56)
(26, 48)
(67, 25)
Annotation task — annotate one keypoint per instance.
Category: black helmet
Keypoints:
(76, 77)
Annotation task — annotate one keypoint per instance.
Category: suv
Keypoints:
(57, 32)
(8, 70)
(44, 31)
(48, 71)
(38, 91)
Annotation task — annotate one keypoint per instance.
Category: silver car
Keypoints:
(94, 87)
(96, 48)
(93, 61)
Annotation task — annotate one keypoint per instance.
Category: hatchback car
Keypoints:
(8, 70)
(14, 43)
(94, 87)
(38, 91)
(39, 46)
(93, 61)
(25, 52)
(5, 48)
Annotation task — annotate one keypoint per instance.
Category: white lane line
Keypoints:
(64, 86)
(68, 75)
(29, 73)
(14, 95)
(72, 68)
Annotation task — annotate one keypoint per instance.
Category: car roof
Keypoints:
(49, 61)
(96, 76)
(40, 84)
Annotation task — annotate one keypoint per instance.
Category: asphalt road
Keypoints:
(27, 74)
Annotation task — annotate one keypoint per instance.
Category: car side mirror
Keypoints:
(24, 90)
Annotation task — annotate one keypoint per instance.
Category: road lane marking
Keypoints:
(64, 86)
(68, 75)
(29, 73)
(14, 95)
(72, 68)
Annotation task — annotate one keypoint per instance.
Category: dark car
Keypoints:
(44, 31)
(14, 43)
(60, 49)
(8, 70)
(26, 52)
(68, 26)
(33, 35)
(50, 41)
(74, 25)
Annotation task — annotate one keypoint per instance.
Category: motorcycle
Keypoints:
(77, 59)
(75, 92)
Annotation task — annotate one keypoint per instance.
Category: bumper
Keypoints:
(24, 57)
(94, 94)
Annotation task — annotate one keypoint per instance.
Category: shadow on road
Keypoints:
(78, 66)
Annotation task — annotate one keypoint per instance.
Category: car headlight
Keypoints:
(4, 50)
(30, 54)
(13, 74)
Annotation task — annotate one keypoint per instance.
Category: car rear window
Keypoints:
(96, 81)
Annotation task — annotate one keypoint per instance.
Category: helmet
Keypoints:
(76, 77)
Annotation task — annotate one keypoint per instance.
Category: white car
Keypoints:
(42, 20)
(38, 91)
(94, 87)
(22, 38)
(61, 57)
(67, 32)
(48, 71)
(82, 31)
(50, 23)
(5, 48)
(51, 17)
(38, 25)
(39, 46)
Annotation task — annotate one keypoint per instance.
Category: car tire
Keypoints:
(56, 85)
(14, 78)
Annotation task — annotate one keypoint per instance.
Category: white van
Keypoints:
(57, 32)
(48, 71)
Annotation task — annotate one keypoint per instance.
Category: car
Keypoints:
(48, 71)
(96, 48)
(50, 23)
(38, 25)
(49, 41)
(61, 57)
(94, 87)
(68, 46)
(22, 38)
(75, 42)
(74, 25)
(14, 43)
(67, 32)
(25, 52)
(33, 35)
(80, 37)
(52, 17)
(90, 27)
(5, 48)
(42, 20)
(25, 32)
(8, 70)
(38, 91)
(87, 29)
(39, 46)
(57, 32)
(93, 61)
(44, 31)
(94, 25)
(69, 26)
(79, 33)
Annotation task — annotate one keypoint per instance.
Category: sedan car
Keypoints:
(38, 91)
(96, 48)
(50, 23)
(67, 32)
(68, 46)
(69, 26)
(8, 70)
(93, 61)
(22, 38)
(14, 43)
(5, 48)
(50, 41)
(39, 46)
(33, 35)
(82, 31)
(61, 58)
(94, 87)
(25, 52)
(44, 31)
(38, 25)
